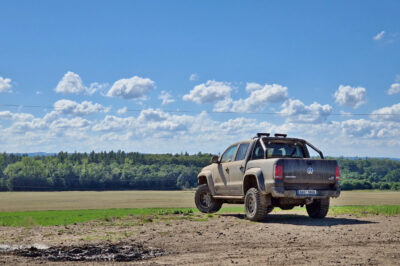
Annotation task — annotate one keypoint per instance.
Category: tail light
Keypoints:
(337, 173)
(278, 175)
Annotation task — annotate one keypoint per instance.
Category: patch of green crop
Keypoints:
(148, 215)
(388, 210)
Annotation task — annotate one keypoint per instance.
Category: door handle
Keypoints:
(227, 170)
(241, 168)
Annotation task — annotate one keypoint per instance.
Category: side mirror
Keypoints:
(214, 159)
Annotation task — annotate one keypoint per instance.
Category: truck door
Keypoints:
(236, 170)
(221, 172)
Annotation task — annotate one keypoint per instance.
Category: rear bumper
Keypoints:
(280, 192)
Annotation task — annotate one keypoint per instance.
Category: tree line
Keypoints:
(137, 171)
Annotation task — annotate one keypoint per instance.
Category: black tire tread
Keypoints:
(318, 209)
(215, 205)
(261, 204)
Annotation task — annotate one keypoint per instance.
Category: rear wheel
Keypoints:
(205, 201)
(318, 208)
(255, 205)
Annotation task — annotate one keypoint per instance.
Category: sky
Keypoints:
(196, 76)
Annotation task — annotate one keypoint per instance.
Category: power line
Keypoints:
(215, 112)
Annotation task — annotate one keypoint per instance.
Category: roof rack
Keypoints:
(259, 135)
(280, 135)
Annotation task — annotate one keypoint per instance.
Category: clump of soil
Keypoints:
(89, 252)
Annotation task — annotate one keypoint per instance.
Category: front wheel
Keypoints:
(255, 205)
(318, 208)
(205, 201)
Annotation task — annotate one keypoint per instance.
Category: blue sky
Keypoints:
(310, 63)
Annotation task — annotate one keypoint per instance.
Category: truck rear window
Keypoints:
(284, 150)
(278, 150)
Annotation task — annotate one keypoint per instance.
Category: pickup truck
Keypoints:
(267, 172)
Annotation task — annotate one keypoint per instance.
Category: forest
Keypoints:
(137, 171)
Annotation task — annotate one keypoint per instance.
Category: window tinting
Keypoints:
(258, 152)
(284, 150)
(241, 154)
(228, 154)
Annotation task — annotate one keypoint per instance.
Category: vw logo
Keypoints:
(310, 170)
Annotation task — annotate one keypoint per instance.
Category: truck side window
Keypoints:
(241, 153)
(258, 152)
(228, 154)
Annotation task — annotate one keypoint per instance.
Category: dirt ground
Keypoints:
(226, 239)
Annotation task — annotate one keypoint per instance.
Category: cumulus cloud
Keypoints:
(154, 130)
(166, 98)
(69, 107)
(15, 116)
(131, 88)
(259, 97)
(122, 110)
(193, 77)
(350, 96)
(152, 115)
(209, 92)
(72, 83)
(379, 36)
(115, 123)
(297, 111)
(250, 86)
(5, 84)
(387, 113)
(394, 88)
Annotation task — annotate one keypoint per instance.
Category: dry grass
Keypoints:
(74, 200)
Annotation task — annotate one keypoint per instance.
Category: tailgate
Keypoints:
(308, 173)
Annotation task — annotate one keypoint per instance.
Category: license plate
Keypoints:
(307, 192)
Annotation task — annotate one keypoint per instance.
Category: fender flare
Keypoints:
(257, 172)
(210, 182)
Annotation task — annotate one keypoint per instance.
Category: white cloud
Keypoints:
(379, 36)
(250, 86)
(115, 123)
(152, 115)
(259, 97)
(132, 88)
(15, 116)
(193, 77)
(387, 113)
(72, 83)
(297, 111)
(69, 107)
(5, 84)
(209, 92)
(166, 98)
(350, 96)
(394, 88)
(122, 110)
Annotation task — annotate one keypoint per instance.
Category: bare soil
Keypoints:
(225, 239)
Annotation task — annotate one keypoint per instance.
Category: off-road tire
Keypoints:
(205, 201)
(318, 209)
(255, 205)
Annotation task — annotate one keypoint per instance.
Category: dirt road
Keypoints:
(229, 239)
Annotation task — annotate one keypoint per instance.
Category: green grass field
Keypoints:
(66, 217)
(73, 200)
(63, 208)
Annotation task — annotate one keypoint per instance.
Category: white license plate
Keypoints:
(307, 192)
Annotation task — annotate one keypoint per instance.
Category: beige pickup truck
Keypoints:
(267, 172)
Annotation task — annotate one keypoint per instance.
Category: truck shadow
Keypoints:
(297, 219)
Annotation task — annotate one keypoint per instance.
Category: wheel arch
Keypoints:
(205, 177)
(253, 178)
